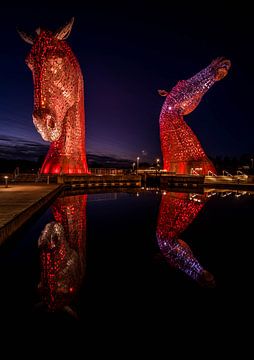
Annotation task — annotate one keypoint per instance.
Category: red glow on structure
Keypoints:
(62, 252)
(59, 114)
(182, 152)
(177, 212)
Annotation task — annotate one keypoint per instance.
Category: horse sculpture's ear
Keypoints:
(163, 92)
(64, 31)
(27, 38)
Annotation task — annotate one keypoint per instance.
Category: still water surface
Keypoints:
(91, 258)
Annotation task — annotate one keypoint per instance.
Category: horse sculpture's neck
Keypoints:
(180, 147)
(67, 154)
(182, 152)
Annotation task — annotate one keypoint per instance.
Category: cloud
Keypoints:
(12, 147)
(15, 148)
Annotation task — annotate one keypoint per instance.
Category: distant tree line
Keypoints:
(231, 164)
(244, 163)
(25, 166)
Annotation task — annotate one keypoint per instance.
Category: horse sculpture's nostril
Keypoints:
(46, 124)
(50, 122)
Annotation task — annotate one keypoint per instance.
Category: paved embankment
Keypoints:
(18, 203)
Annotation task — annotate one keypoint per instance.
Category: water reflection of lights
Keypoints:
(156, 189)
(62, 251)
(195, 196)
(226, 194)
(214, 193)
(176, 213)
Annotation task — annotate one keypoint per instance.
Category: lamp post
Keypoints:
(6, 181)
(158, 164)
(133, 166)
(158, 171)
(137, 163)
(251, 162)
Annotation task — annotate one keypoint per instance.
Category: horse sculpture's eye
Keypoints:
(50, 122)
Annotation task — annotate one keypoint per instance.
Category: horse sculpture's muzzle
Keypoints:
(46, 124)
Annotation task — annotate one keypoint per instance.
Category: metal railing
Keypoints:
(210, 173)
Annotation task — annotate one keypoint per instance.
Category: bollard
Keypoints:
(48, 179)
(6, 181)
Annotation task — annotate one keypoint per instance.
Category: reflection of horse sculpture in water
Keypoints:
(58, 101)
(180, 147)
(176, 212)
(62, 253)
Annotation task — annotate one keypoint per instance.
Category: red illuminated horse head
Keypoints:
(62, 248)
(58, 100)
(180, 146)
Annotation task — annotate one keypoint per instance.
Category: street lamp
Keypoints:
(6, 181)
(133, 165)
(251, 162)
(137, 163)
(158, 163)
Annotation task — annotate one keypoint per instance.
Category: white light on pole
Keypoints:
(158, 163)
(138, 163)
(6, 181)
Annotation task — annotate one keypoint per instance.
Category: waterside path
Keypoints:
(18, 203)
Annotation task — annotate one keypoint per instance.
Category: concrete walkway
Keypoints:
(19, 202)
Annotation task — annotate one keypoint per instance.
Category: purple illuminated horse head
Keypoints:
(182, 152)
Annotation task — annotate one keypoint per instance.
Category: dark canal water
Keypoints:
(128, 259)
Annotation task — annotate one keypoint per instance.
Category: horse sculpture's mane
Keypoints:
(59, 114)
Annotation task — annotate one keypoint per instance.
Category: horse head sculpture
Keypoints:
(58, 113)
(180, 147)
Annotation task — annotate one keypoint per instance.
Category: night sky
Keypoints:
(127, 51)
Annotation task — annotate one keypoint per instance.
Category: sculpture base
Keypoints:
(64, 165)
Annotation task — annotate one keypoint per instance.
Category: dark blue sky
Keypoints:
(128, 51)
